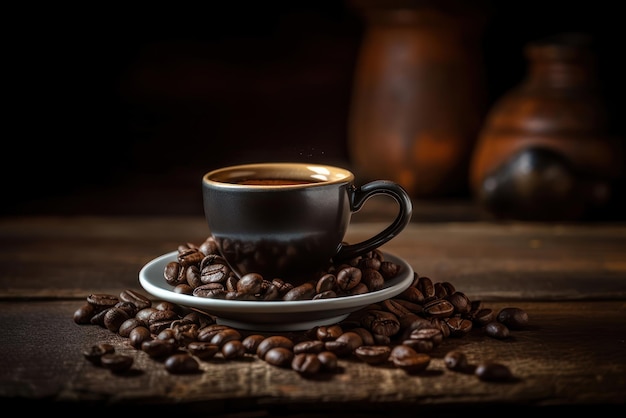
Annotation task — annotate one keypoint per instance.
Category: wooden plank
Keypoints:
(52, 257)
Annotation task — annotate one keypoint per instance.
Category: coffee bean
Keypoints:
(181, 363)
(497, 330)
(273, 342)
(279, 356)
(251, 342)
(513, 318)
(203, 350)
(233, 349)
(139, 300)
(328, 360)
(306, 363)
(404, 357)
(138, 335)
(494, 372)
(373, 354)
(456, 360)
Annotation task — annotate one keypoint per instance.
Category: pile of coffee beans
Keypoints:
(399, 331)
(201, 271)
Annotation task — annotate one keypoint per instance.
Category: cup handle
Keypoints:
(358, 196)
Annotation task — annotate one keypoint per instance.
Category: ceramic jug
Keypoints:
(544, 152)
(418, 98)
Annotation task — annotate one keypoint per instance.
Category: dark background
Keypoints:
(119, 111)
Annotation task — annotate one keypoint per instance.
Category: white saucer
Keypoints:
(273, 315)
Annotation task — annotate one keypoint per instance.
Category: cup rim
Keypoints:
(319, 174)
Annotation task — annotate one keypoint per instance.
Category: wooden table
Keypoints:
(569, 278)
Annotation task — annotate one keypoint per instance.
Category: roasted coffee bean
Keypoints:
(412, 307)
(102, 301)
(309, 346)
(193, 278)
(279, 356)
(211, 290)
(174, 273)
(426, 287)
(274, 341)
(497, 330)
(372, 279)
(144, 314)
(395, 308)
(381, 322)
(158, 326)
(494, 372)
(458, 326)
(159, 348)
(460, 301)
(409, 360)
(138, 335)
(328, 294)
(139, 300)
(328, 332)
(366, 336)
(456, 360)
(439, 308)
(348, 277)
(325, 283)
(94, 353)
(373, 354)
(328, 360)
(215, 273)
(369, 263)
(433, 335)
(233, 349)
(305, 291)
(513, 318)
(352, 340)
(190, 256)
(83, 315)
(163, 315)
(207, 333)
(250, 284)
(441, 325)
(181, 363)
(388, 269)
(127, 326)
(209, 246)
(225, 336)
(203, 350)
(164, 305)
(251, 342)
(117, 363)
(306, 363)
(213, 258)
(114, 318)
(412, 294)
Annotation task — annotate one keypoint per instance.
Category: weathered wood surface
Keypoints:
(571, 279)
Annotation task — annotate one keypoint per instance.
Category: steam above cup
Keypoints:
(289, 220)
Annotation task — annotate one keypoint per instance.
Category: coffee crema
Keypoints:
(274, 182)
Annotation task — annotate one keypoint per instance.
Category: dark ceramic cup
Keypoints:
(288, 220)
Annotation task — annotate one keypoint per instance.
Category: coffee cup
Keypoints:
(289, 220)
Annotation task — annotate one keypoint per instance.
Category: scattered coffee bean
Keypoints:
(493, 372)
(399, 331)
(513, 318)
(456, 360)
